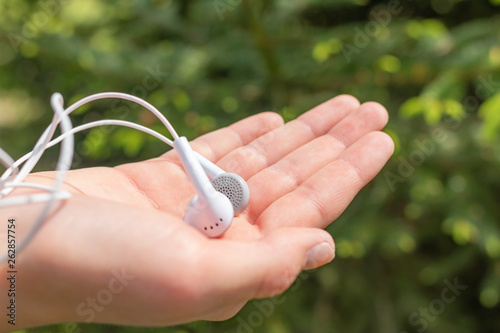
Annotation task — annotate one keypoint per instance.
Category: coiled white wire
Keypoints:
(14, 178)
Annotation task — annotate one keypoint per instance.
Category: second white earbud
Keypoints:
(210, 212)
(231, 185)
(234, 188)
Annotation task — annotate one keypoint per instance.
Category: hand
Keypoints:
(119, 252)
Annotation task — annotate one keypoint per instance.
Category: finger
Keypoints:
(267, 149)
(291, 171)
(216, 144)
(324, 196)
(369, 117)
(237, 272)
(320, 117)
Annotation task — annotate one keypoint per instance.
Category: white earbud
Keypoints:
(230, 184)
(210, 212)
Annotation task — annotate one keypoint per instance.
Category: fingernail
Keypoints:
(320, 255)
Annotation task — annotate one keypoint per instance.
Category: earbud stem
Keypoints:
(210, 168)
(193, 168)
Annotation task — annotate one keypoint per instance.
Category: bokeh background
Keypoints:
(428, 221)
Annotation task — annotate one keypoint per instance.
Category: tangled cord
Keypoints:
(13, 177)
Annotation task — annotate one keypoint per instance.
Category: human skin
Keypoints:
(128, 221)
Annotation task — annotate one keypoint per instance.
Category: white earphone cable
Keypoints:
(63, 165)
(93, 124)
(61, 118)
(44, 140)
(8, 162)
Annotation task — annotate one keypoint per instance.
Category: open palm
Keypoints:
(301, 175)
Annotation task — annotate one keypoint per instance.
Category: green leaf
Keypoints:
(131, 141)
(489, 111)
(323, 50)
(433, 111)
(446, 86)
(454, 109)
(412, 107)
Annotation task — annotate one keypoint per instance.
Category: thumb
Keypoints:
(269, 266)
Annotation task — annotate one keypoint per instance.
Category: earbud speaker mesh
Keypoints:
(234, 188)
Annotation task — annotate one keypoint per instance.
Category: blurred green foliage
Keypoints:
(430, 219)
